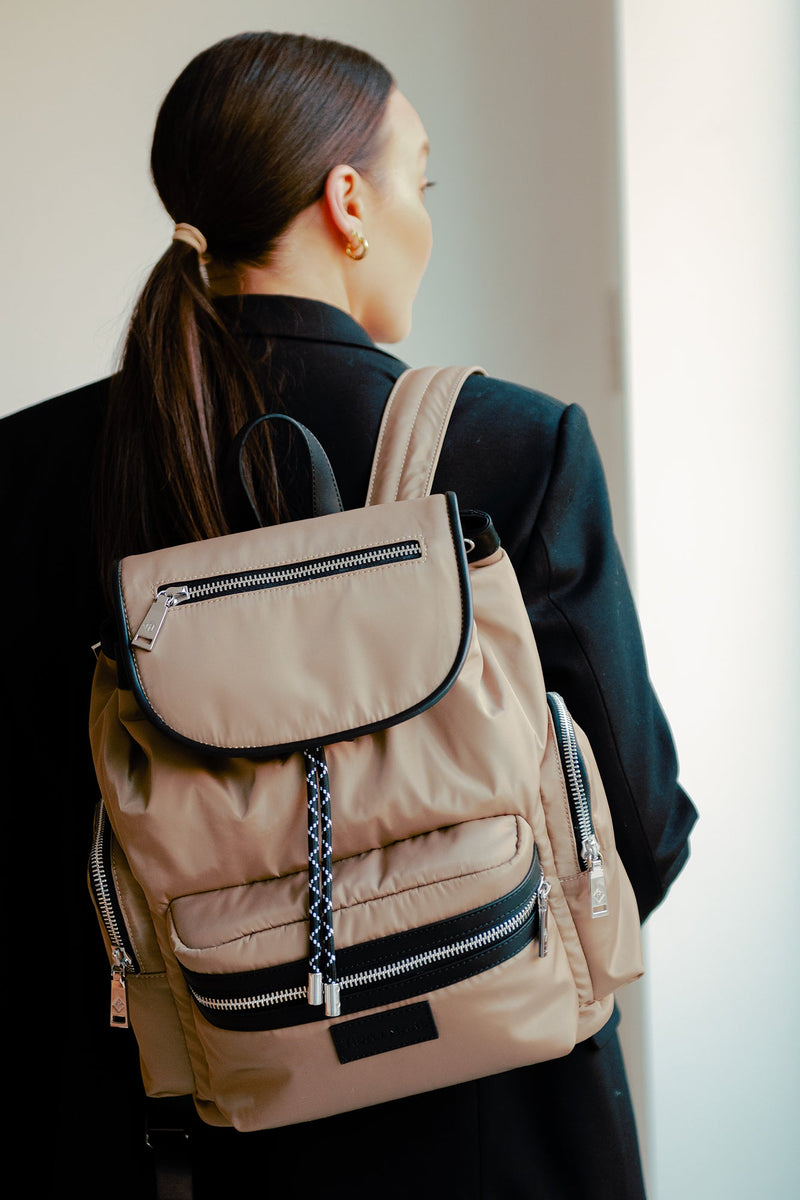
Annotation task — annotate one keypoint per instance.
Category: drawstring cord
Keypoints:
(323, 982)
(314, 891)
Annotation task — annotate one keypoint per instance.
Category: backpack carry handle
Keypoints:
(325, 496)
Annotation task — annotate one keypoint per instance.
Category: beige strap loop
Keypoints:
(191, 236)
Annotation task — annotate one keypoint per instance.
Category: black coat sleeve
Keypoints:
(583, 616)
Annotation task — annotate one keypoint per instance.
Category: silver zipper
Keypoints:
(393, 970)
(122, 964)
(590, 849)
(245, 581)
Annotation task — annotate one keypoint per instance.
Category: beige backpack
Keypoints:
(348, 849)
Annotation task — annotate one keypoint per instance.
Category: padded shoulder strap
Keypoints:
(412, 431)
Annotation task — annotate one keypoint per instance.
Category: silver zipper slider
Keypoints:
(542, 895)
(598, 893)
(148, 631)
(119, 991)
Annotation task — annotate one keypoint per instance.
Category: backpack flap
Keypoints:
(263, 642)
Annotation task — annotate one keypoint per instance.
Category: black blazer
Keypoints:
(532, 464)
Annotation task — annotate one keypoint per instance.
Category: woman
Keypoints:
(296, 174)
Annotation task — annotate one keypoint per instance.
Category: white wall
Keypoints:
(711, 139)
(518, 97)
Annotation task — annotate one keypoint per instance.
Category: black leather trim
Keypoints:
(325, 496)
(381, 1032)
(478, 529)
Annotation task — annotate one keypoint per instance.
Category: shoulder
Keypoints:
(47, 455)
(503, 444)
(504, 422)
(46, 446)
(64, 412)
(524, 406)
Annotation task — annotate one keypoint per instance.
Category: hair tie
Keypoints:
(191, 236)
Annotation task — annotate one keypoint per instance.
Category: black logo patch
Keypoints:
(384, 1031)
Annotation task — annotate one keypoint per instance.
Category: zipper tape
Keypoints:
(101, 882)
(104, 890)
(215, 587)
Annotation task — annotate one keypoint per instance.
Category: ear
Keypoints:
(344, 199)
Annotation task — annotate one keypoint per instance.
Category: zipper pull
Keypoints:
(119, 992)
(148, 631)
(598, 894)
(542, 894)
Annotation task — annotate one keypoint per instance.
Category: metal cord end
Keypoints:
(333, 1007)
(315, 991)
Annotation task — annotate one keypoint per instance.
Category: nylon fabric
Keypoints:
(412, 432)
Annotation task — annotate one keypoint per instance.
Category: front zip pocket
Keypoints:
(214, 587)
(580, 803)
(373, 970)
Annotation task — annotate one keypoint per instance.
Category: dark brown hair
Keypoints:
(244, 141)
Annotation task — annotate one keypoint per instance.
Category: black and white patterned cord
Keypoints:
(315, 995)
(323, 980)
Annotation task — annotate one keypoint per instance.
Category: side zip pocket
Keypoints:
(103, 887)
(590, 874)
(580, 802)
(140, 995)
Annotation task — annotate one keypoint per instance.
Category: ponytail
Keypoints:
(244, 142)
(183, 391)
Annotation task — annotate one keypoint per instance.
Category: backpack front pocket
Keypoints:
(479, 885)
(420, 924)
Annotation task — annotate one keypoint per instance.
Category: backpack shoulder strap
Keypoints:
(412, 431)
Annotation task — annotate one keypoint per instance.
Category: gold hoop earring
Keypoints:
(357, 247)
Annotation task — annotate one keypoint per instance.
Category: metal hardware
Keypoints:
(333, 1006)
(148, 631)
(598, 893)
(542, 897)
(119, 991)
(314, 992)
